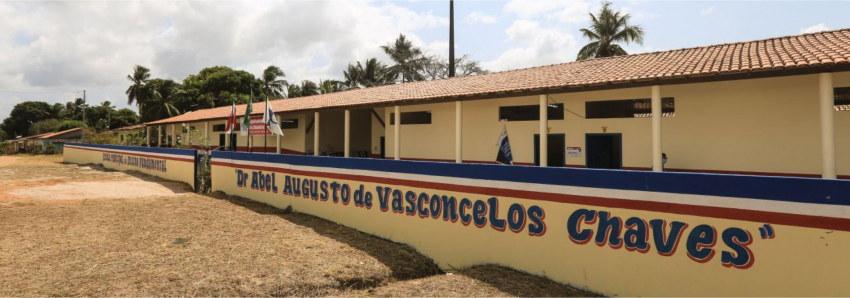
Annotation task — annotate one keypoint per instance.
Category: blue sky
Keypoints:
(50, 49)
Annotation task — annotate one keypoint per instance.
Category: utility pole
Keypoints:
(451, 38)
(84, 106)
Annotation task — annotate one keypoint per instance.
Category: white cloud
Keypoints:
(94, 45)
(707, 11)
(534, 46)
(816, 28)
(475, 18)
(567, 11)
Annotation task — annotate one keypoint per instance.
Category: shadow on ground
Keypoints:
(407, 264)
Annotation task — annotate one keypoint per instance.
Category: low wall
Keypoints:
(171, 164)
(623, 233)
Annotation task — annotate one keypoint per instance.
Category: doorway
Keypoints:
(221, 141)
(383, 148)
(556, 148)
(604, 151)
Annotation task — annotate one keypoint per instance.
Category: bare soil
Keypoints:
(69, 230)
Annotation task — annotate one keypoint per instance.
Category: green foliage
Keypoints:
(123, 118)
(408, 59)
(51, 149)
(331, 86)
(69, 124)
(44, 126)
(370, 74)
(607, 29)
(306, 88)
(92, 136)
(23, 115)
(3, 135)
(3, 147)
(273, 82)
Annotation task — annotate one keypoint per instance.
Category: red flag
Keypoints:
(231, 120)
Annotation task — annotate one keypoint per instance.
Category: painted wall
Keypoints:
(171, 164)
(758, 125)
(624, 233)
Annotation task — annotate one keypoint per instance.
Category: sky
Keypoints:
(51, 51)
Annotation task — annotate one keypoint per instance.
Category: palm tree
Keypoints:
(408, 59)
(139, 77)
(331, 86)
(607, 30)
(159, 106)
(273, 84)
(306, 88)
(373, 74)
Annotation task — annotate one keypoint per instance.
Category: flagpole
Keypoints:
(265, 129)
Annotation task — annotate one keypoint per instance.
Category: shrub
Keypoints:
(51, 149)
(69, 124)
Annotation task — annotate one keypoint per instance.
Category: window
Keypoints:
(842, 99)
(555, 111)
(628, 108)
(288, 123)
(423, 117)
(218, 127)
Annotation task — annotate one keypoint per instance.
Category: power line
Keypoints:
(565, 109)
(25, 92)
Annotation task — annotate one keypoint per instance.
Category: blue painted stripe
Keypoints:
(186, 152)
(788, 189)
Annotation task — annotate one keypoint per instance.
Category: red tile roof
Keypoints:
(131, 127)
(807, 53)
(54, 134)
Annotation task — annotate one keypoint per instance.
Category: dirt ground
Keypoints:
(70, 230)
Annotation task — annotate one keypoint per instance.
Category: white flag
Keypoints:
(271, 121)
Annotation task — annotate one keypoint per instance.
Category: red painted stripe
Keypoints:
(133, 154)
(829, 223)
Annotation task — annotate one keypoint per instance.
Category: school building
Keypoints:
(778, 106)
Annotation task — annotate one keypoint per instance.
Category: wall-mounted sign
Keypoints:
(573, 151)
(258, 127)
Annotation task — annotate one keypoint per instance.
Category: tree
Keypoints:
(69, 124)
(331, 86)
(135, 93)
(607, 30)
(215, 87)
(160, 106)
(3, 137)
(122, 118)
(306, 88)
(437, 67)
(373, 74)
(273, 83)
(408, 59)
(23, 115)
(44, 126)
(171, 91)
(74, 109)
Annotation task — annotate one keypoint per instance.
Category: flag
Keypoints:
(231, 120)
(246, 121)
(270, 120)
(504, 156)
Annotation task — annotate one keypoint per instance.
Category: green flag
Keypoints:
(246, 122)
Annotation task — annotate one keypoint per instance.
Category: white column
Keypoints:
(207, 131)
(186, 135)
(226, 140)
(544, 131)
(397, 134)
(173, 136)
(657, 162)
(827, 125)
(148, 135)
(316, 133)
(347, 133)
(458, 132)
(278, 137)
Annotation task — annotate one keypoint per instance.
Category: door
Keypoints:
(383, 152)
(221, 141)
(233, 142)
(604, 151)
(556, 149)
